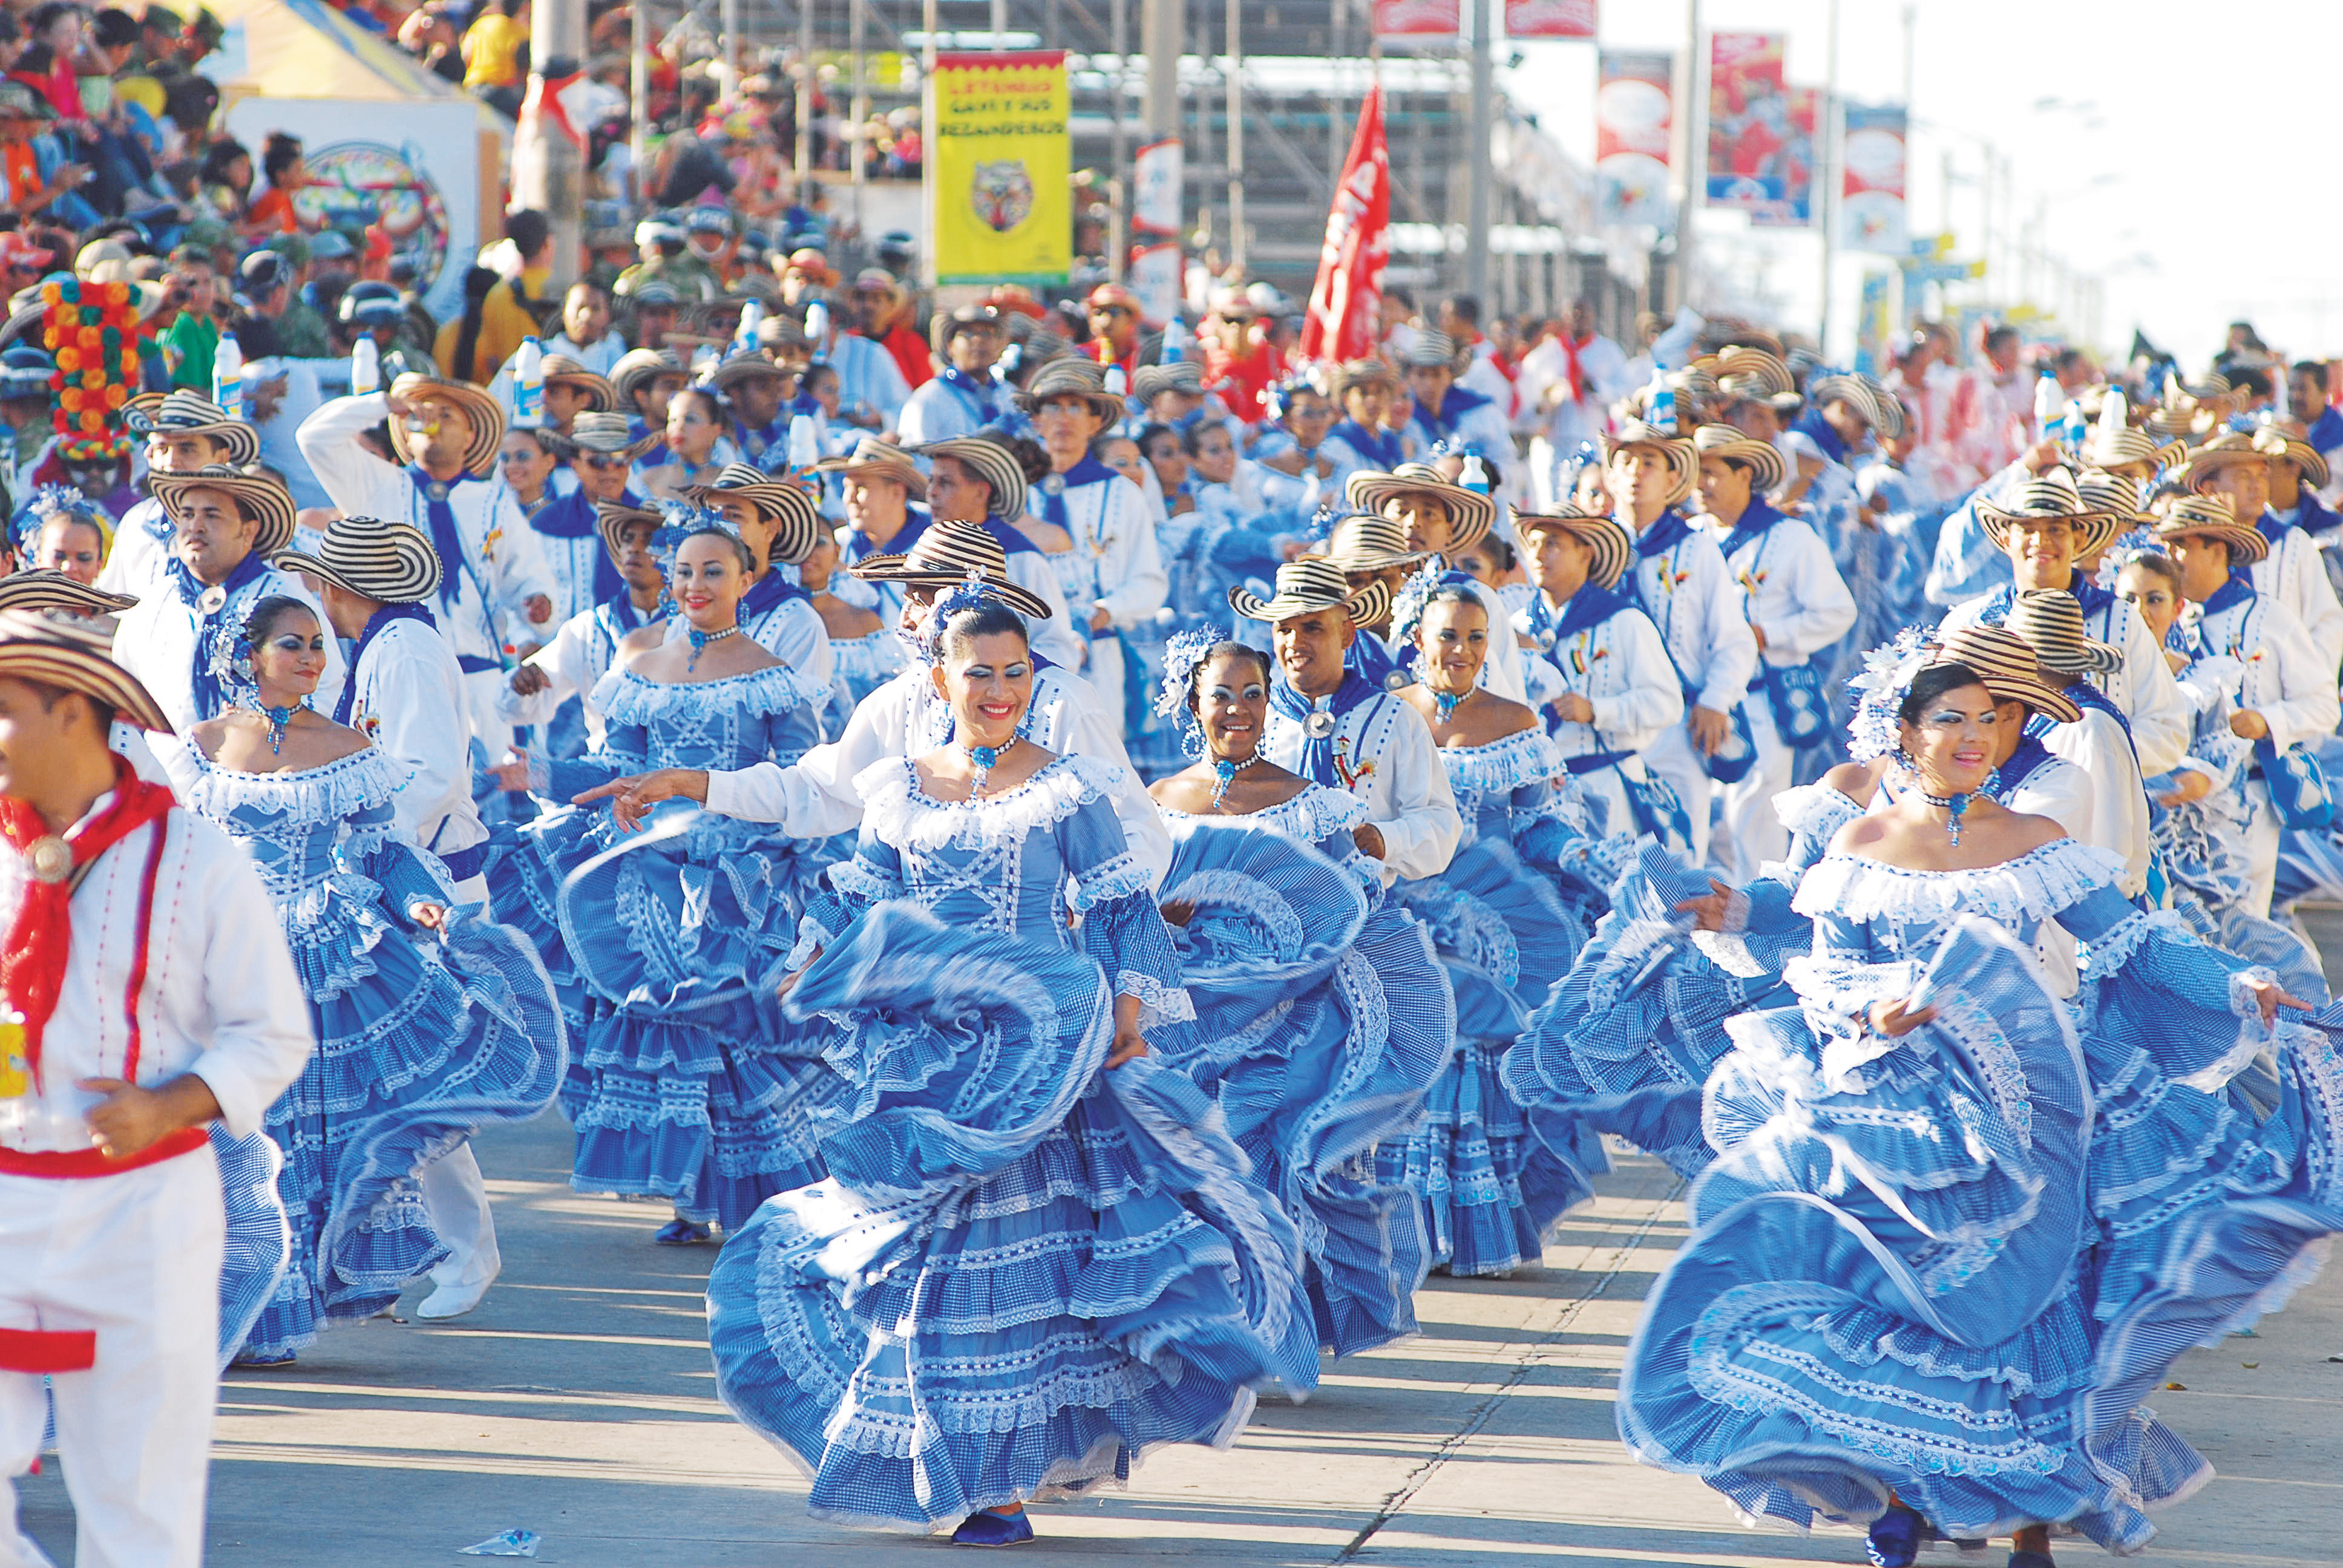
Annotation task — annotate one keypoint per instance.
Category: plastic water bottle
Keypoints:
(2070, 435)
(1178, 341)
(703, 360)
(227, 377)
(1473, 475)
(805, 442)
(1115, 382)
(752, 317)
(528, 384)
(366, 367)
(2048, 395)
(818, 327)
(1662, 404)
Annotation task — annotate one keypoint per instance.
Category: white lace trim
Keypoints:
(1316, 814)
(2036, 885)
(899, 811)
(2105, 954)
(1116, 878)
(2253, 1036)
(1159, 1003)
(624, 697)
(340, 790)
(1525, 757)
(1248, 895)
(1816, 810)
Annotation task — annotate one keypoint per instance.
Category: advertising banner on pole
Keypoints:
(1418, 18)
(1635, 113)
(1550, 18)
(1751, 136)
(1003, 169)
(1341, 322)
(1795, 209)
(1872, 197)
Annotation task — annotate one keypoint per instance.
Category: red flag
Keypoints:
(1340, 324)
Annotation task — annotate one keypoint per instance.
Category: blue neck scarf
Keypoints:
(2311, 515)
(1089, 471)
(1381, 447)
(2030, 755)
(1370, 660)
(571, 516)
(2237, 590)
(1668, 531)
(446, 542)
(1454, 406)
(769, 437)
(1013, 538)
(621, 605)
(1755, 520)
(2273, 527)
(983, 395)
(1589, 607)
(1812, 425)
(2091, 595)
(211, 695)
(1318, 760)
(862, 547)
(374, 623)
(771, 591)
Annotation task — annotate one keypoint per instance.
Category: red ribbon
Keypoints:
(33, 963)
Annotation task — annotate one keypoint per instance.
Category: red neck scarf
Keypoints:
(1573, 372)
(33, 964)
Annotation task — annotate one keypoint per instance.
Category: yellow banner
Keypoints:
(1002, 169)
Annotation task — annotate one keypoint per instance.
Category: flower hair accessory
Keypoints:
(2122, 553)
(1407, 604)
(1182, 655)
(681, 518)
(975, 590)
(1887, 674)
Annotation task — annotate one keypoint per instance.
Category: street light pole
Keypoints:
(548, 167)
(1476, 160)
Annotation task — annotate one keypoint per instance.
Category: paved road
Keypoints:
(579, 1403)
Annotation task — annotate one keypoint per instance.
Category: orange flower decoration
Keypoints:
(90, 337)
(94, 421)
(117, 396)
(93, 379)
(71, 400)
(69, 360)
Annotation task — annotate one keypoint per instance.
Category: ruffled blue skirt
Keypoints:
(1321, 1018)
(1023, 1272)
(692, 1089)
(422, 1041)
(1503, 940)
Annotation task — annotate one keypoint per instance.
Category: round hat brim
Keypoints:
(483, 413)
(907, 472)
(1024, 601)
(242, 441)
(2096, 530)
(1471, 514)
(602, 398)
(42, 588)
(275, 529)
(1614, 548)
(1109, 408)
(96, 677)
(406, 579)
(1365, 606)
(2247, 546)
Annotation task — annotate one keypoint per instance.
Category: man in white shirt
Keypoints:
(1333, 726)
(1681, 581)
(155, 996)
(185, 431)
(2050, 622)
(375, 577)
(1798, 607)
(2235, 467)
(495, 589)
(586, 334)
(814, 797)
(966, 395)
(181, 638)
(1569, 381)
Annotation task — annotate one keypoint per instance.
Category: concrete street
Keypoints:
(579, 1403)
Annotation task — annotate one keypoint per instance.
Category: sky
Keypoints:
(2153, 134)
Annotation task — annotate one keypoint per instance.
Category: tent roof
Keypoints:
(307, 49)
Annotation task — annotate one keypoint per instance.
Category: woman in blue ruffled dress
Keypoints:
(1035, 1257)
(430, 1024)
(683, 1090)
(1956, 1228)
(1504, 937)
(1322, 1014)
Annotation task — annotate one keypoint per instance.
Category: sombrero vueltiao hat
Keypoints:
(1852, 390)
(2116, 494)
(1750, 375)
(1614, 547)
(1371, 542)
(947, 554)
(873, 456)
(605, 435)
(1676, 449)
(483, 413)
(42, 589)
(2283, 448)
(990, 461)
(2113, 442)
(392, 562)
(1725, 443)
(1308, 584)
(2227, 450)
(184, 413)
(2051, 498)
(2008, 667)
(1071, 377)
(601, 395)
(1363, 373)
(1887, 410)
(741, 368)
(638, 366)
(612, 519)
(2211, 517)
(1471, 514)
(797, 523)
(257, 494)
(1433, 351)
(2050, 622)
(1180, 376)
(73, 655)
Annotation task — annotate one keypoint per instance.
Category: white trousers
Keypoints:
(136, 1258)
(1752, 833)
(489, 727)
(2261, 849)
(1672, 758)
(457, 1201)
(1105, 672)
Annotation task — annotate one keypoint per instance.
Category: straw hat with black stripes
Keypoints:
(1613, 547)
(989, 461)
(259, 496)
(1471, 514)
(388, 562)
(1675, 450)
(73, 655)
(2008, 667)
(1308, 584)
(945, 553)
(873, 456)
(1371, 542)
(561, 370)
(483, 414)
(184, 413)
(42, 589)
(613, 519)
(1071, 377)
(796, 525)
(2050, 622)
(1728, 445)
(2051, 498)
(2212, 517)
